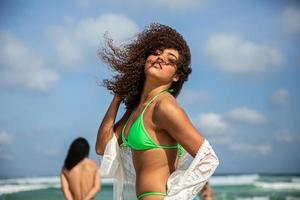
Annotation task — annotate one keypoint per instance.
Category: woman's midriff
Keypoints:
(153, 168)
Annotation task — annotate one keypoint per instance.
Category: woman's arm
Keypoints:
(97, 186)
(187, 181)
(105, 131)
(169, 116)
(65, 186)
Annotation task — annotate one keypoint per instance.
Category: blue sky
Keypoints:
(242, 95)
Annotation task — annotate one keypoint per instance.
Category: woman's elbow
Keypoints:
(99, 150)
(98, 189)
(100, 146)
(102, 141)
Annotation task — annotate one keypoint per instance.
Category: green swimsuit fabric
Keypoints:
(150, 194)
(139, 139)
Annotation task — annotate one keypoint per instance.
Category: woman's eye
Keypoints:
(172, 61)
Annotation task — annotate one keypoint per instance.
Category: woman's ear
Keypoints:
(175, 78)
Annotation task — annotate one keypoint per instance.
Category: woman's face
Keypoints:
(162, 65)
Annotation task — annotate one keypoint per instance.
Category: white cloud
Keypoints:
(192, 96)
(246, 115)
(68, 50)
(211, 123)
(5, 138)
(237, 56)
(285, 135)
(21, 67)
(290, 20)
(72, 44)
(263, 149)
(280, 97)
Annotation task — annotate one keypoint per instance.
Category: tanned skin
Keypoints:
(82, 182)
(165, 121)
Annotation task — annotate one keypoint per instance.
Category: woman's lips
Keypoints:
(157, 65)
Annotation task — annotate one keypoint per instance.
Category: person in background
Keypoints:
(207, 193)
(80, 176)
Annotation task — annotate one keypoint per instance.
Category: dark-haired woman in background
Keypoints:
(80, 178)
(151, 71)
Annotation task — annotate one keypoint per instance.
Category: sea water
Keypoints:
(227, 187)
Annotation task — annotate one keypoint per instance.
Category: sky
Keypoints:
(242, 94)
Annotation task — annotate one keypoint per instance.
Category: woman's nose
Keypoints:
(159, 59)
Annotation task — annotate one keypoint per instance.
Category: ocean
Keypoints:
(226, 187)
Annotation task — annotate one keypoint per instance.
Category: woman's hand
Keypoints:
(117, 98)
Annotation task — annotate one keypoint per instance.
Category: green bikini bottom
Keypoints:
(150, 194)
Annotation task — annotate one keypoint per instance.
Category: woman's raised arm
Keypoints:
(105, 131)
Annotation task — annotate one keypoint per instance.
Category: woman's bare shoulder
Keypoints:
(172, 118)
(167, 103)
(63, 171)
(91, 163)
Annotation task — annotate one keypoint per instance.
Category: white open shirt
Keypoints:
(184, 183)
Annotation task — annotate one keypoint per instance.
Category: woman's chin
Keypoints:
(157, 79)
(152, 71)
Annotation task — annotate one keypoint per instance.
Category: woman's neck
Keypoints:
(150, 90)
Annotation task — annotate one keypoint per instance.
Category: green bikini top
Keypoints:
(138, 137)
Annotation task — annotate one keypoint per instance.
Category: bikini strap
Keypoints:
(124, 127)
(153, 98)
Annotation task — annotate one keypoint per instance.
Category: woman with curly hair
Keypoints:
(150, 73)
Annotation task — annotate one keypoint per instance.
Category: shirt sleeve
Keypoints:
(192, 174)
(111, 167)
(110, 161)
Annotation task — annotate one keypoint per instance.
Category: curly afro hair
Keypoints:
(128, 60)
